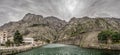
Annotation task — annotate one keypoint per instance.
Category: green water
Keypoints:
(59, 49)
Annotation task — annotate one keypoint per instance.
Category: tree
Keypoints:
(48, 41)
(116, 37)
(104, 35)
(18, 39)
(8, 43)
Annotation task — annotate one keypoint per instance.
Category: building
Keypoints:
(28, 40)
(3, 37)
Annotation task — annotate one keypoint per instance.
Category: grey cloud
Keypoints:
(13, 10)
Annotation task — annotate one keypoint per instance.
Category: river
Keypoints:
(61, 49)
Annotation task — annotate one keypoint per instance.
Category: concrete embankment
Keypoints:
(104, 46)
(92, 45)
(14, 50)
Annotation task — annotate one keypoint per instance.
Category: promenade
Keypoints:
(16, 49)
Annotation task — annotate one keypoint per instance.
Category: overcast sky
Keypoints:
(13, 10)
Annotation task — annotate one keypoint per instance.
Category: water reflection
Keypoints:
(67, 50)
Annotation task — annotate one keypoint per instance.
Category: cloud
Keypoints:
(13, 10)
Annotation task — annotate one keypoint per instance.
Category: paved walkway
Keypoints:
(20, 47)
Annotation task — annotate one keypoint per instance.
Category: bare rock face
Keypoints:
(78, 31)
(84, 31)
(36, 26)
(55, 23)
(29, 17)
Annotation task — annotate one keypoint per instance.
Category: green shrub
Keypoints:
(104, 35)
(8, 43)
(34, 25)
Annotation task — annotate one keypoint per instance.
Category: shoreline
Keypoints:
(16, 50)
(20, 50)
(99, 46)
(112, 47)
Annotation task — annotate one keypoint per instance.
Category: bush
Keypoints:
(116, 37)
(104, 35)
(8, 43)
(34, 25)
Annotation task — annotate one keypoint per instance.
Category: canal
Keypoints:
(61, 49)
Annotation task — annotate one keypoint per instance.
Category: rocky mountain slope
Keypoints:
(84, 31)
(79, 31)
(36, 26)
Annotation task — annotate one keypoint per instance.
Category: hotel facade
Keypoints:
(3, 37)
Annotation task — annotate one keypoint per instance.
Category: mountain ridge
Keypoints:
(35, 26)
(78, 31)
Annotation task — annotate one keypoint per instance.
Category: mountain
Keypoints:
(84, 31)
(36, 26)
(78, 31)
